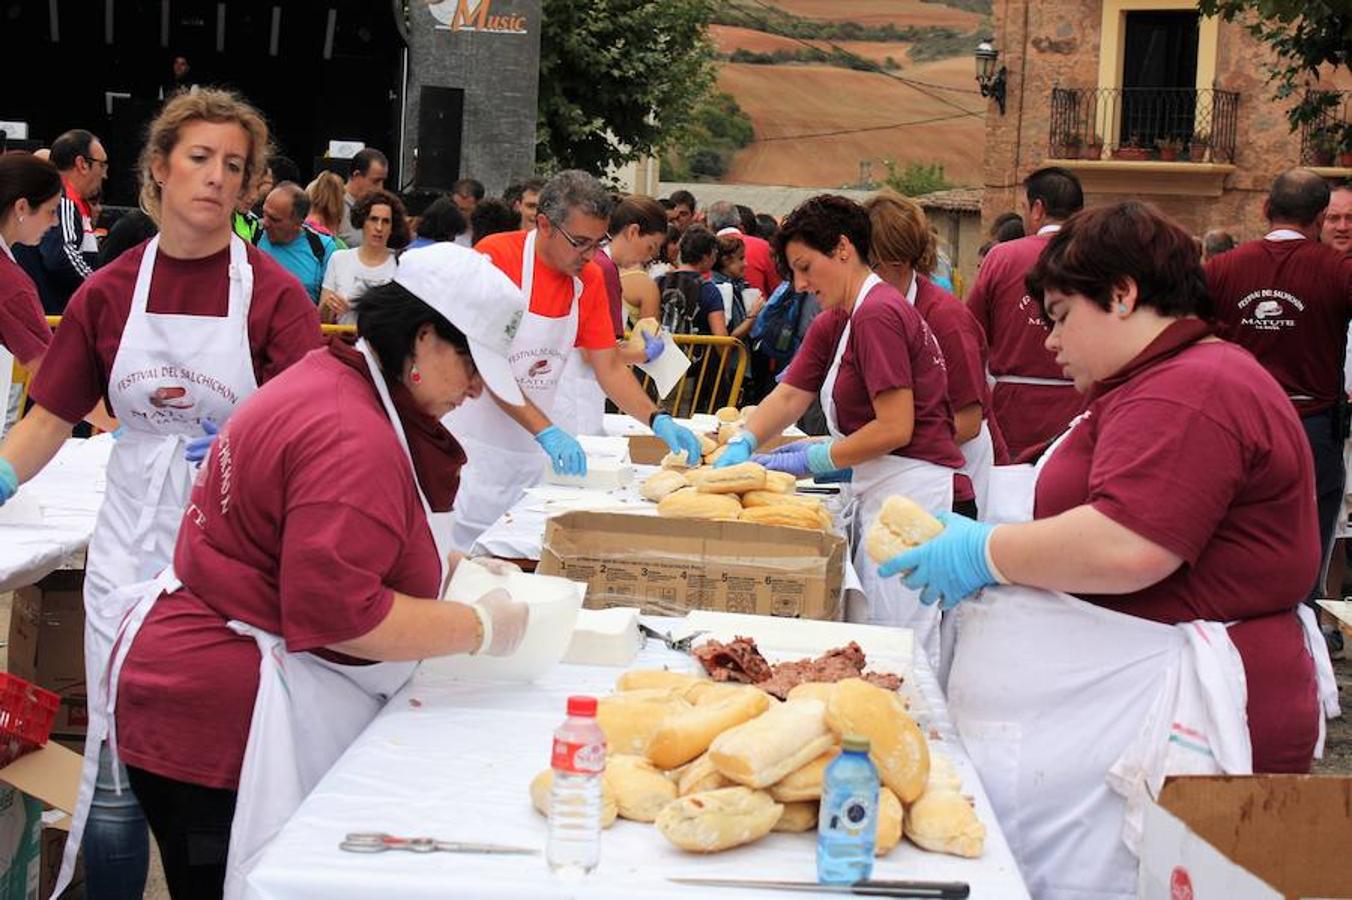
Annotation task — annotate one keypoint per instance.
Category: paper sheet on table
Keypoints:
(668, 368)
(804, 637)
(604, 446)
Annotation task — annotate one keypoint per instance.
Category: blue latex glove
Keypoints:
(9, 481)
(200, 446)
(800, 459)
(738, 450)
(652, 346)
(565, 453)
(678, 438)
(950, 566)
(118, 432)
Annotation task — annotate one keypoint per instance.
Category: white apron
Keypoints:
(307, 713)
(504, 458)
(1072, 713)
(6, 365)
(170, 373)
(580, 406)
(978, 456)
(889, 601)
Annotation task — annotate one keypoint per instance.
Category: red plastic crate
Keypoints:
(26, 716)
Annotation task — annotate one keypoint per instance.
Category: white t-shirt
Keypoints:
(348, 277)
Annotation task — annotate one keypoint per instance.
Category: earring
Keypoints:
(21, 218)
(415, 376)
(1122, 307)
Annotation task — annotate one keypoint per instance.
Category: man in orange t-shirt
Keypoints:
(568, 313)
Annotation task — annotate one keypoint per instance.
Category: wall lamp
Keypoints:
(992, 82)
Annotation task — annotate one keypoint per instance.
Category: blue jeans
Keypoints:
(116, 840)
(1326, 447)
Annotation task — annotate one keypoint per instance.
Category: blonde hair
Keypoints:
(200, 105)
(326, 199)
(901, 232)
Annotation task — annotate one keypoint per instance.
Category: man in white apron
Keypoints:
(171, 373)
(501, 440)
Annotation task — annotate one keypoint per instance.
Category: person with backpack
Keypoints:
(285, 237)
(691, 304)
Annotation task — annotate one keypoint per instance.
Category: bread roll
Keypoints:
(897, 747)
(713, 456)
(747, 411)
(701, 775)
(780, 482)
(738, 479)
(817, 690)
(787, 514)
(728, 414)
(685, 735)
(640, 789)
(630, 718)
(706, 690)
(804, 783)
(753, 499)
(890, 816)
(695, 505)
(943, 821)
(943, 776)
(707, 445)
(674, 460)
(770, 746)
(798, 817)
(717, 820)
(901, 525)
(655, 679)
(542, 784)
(660, 484)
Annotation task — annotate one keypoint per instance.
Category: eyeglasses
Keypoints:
(95, 161)
(582, 245)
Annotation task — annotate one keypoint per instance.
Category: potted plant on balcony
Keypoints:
(1093, 146)
(1323, 145)
(1070, 145)
(1197, 148)
(1169, 148)
(1132, 151)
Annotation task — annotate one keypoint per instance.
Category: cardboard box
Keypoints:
(671, 566)
(20, 844)
(46, 645)
(49, 777)
(648, 449)
(1260, 837)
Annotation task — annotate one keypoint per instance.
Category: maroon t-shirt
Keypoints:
(283, 323)
(23, 330)
(305, 523)
(1202, 454)
(1288, 303)
(611, 275)
(1029, 415)
(964, 349)
(890, 347)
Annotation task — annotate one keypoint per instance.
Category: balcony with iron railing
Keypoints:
(1326, 140)
(1144, 124)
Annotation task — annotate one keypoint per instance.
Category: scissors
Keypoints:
(681, 645)
(376, 842)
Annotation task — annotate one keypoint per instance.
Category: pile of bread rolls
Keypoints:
(745, 492)
(717, 765)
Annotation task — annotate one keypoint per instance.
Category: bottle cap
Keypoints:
(586, 707)
(855, 742)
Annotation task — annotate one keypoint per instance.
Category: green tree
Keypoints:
(1305, 35)
(916, 179)
(702, 149)
(618, 78)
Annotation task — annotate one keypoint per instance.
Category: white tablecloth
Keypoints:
(453, 760)
(52, 516)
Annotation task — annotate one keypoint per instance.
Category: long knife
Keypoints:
(938, 890)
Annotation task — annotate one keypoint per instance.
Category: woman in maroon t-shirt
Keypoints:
(880, 375)
(1141, 607)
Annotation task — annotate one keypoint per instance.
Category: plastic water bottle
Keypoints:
(848, 821)
(578, 760)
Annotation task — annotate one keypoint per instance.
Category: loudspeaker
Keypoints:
(441, 121)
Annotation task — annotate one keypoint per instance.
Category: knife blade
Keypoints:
(938, 890)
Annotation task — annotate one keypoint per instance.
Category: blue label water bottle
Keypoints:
(848, 820)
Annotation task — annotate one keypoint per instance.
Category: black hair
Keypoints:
(666, 203)
(441, 220)
(416, 202)
(697, 243)
(766, 226)
(1298, 196)
(515, 193)
(1008, 229)
(1058, 189)
(645, 212)
(283, 168)
(399, 220)
(683, 198)
(748, 217)
(23, 175)
(492, 217)
(361, 163)
(69, 147)
(820, 222)
(389, 317)
(469, 187)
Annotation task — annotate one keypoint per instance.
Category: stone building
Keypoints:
(1145, 99)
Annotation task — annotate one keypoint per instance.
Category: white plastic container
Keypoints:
(554, 603)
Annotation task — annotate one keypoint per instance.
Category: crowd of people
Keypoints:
(1179, 402)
